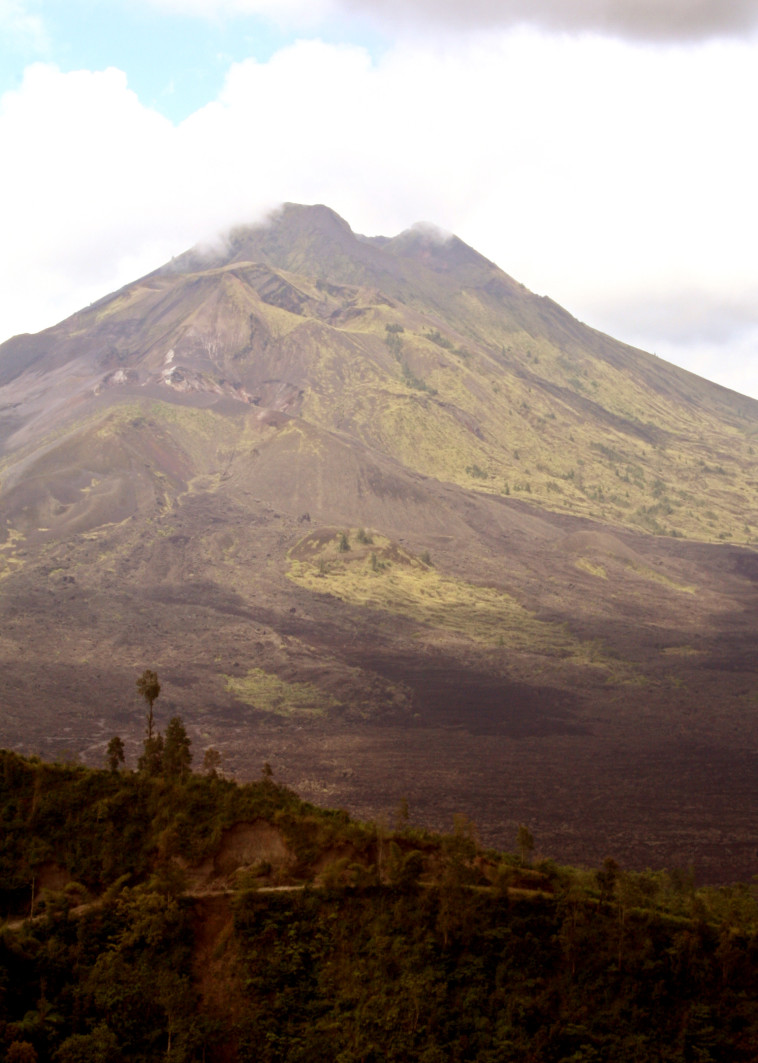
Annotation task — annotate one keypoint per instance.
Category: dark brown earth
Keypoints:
(662, 770)
(166, 452)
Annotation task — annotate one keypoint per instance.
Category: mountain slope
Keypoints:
(418, 348)
(370, 506)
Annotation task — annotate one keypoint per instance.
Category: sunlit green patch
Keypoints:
(268, 693)
(661, 577)
(9, 563)
(588, 566)
(383, 576)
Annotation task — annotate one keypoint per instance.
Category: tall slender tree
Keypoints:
(148, 687)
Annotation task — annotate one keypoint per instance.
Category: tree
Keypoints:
(525, 843)
(115, 753)
(607, 877)
(177, 757)
(21, 1052)
(211, 762)
(99, 1046)
(151, 761)
(149, 688)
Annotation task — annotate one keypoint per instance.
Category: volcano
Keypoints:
(380, 516)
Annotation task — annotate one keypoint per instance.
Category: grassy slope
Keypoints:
(571, 433)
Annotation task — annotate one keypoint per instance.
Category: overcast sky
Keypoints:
(602, 152)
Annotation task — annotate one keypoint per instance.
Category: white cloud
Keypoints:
(594, 171)
(22, 29)
(78, 197)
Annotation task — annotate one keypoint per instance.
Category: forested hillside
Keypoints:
(160, 914)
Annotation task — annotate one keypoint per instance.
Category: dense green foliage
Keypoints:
(371, 945)
(369, 977)
(101, 827)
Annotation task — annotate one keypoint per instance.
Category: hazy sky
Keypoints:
(603, 152)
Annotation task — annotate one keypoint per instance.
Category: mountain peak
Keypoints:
(290, 225)
(316, 215)
(435, 249)
(301, 239)
(292, 237)
(315, 240)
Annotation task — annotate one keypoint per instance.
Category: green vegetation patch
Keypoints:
(588, 566)
(384, 576)
(8, 561)
(269, 693)
(661, 577)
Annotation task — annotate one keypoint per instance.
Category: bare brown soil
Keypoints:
(251, 844)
